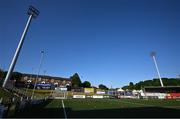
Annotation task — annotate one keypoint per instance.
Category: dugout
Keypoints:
(166, 89)
(166, 92)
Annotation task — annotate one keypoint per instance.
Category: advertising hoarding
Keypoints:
(97, 96)
(100, 92)
(78, 96)
(88, 90)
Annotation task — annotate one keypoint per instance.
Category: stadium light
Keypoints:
(40, 63)
(44, 72)
(33, 13)
(153, 55)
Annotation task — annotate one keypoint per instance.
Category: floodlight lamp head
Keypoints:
(33, 11)
(153, 54)
(42, 51)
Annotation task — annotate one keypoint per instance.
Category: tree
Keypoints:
(139, 85)
(76, 81)
(101, 86)
(16, 76)
(1, 73)
(86, 84)
(154, 82)
(1, 76)
(131, 86)
(125, 87)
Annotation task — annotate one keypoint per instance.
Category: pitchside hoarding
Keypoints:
(97, 96)
(88, 90)
(100, 92)
(61, 89)
(43, 86)
(79, 96)
(173, 96)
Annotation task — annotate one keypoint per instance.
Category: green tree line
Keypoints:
(15, 76)
(153, 82)
(76, 83)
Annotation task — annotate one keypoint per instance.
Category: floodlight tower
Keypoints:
(153, 55)
(44, 72)
(40, 63)
(33, 13)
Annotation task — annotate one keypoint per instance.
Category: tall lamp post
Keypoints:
(44, 72)
(40, 63)
(33, 13)
(153, 55)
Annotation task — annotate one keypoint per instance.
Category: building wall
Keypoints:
(59, 81)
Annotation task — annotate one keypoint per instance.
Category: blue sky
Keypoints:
(105, 41)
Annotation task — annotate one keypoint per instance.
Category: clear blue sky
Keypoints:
(105, 41)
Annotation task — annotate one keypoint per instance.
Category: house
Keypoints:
(57, 81)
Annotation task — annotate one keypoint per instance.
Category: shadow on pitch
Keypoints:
(39, 111)
(139, 112)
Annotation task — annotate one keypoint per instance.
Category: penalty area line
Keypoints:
(65, 115)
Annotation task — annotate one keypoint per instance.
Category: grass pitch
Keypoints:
(90, 108)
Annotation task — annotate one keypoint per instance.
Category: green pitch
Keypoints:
(89, 108)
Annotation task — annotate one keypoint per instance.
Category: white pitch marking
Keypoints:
(65, 115)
